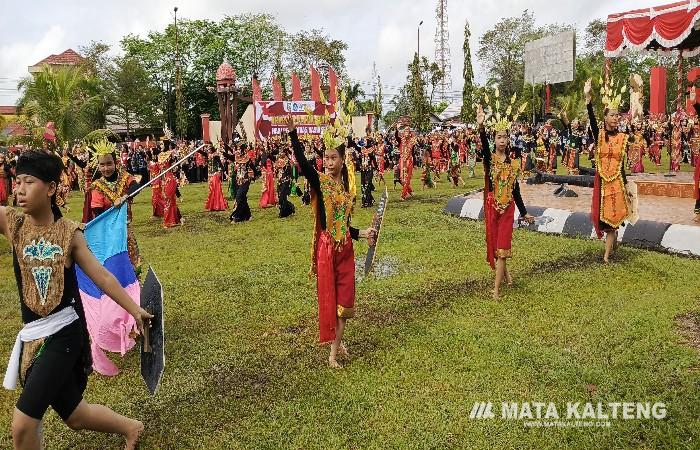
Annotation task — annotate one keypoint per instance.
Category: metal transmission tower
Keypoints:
(442, 49)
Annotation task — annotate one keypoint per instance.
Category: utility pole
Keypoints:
(180, 121)
(442, 49)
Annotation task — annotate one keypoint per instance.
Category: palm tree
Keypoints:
(68, 97)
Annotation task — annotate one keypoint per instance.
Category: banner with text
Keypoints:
(271, 117)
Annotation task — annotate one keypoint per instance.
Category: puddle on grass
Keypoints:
(384, 267)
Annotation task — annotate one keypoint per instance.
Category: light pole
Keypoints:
(421, 23)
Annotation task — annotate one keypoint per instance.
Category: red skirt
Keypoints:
(407, 174)
(499, 231)
(269, 196)
(3, 191)
(157, 201)
(216, 200)
(335, 284)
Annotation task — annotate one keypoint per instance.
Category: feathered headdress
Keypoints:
(497, 121)
(610, 94)
(101, 148)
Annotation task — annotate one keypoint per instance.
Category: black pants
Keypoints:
(242, 211)
(286, 207)
(367, 187)
(57, 377)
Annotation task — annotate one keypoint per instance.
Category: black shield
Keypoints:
(153, 339)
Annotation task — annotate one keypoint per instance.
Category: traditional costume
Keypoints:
(171, 213)
(283, 174)
(215, 199)
(609, 207)
(333, 259)
(158, 207)
(501, 193)
(268, 196)
(407, 141)
(243, 172)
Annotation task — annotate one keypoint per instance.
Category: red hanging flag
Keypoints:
(315, 85)
(296, 88)
(332, 86)
(257, 94)
(276, 90)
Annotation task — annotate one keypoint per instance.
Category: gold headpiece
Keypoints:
(101, 148)
(610, 94)
(494, 119)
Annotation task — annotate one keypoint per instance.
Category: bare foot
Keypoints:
(606, 260)
(509, 279)
(495, 293)
(132, 438)
(343, 350)
(333, 363)
(697, 218)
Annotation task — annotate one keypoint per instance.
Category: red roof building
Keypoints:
(8, 110)
(68, 58)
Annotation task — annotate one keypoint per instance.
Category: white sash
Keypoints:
(44, 327)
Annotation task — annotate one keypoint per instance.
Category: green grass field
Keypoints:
(244, 370)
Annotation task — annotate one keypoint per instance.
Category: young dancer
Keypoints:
(333, 258)
(51, 356)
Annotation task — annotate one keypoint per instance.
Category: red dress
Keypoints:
(216, 200)
(157, 190)
(172, 212)
(269, 196)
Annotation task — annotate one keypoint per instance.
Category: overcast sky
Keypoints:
(381, 31)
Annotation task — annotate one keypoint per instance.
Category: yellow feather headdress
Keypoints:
(497, 121)
(610, 94)
(101, 148)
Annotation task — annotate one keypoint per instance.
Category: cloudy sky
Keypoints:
(383, 31)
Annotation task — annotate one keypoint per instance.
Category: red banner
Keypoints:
(333, 86)
(296, 88)
(276, 90)
(271, 117)
(315, 85)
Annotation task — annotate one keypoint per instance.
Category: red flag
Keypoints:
(296, 88)
(332, 86)
(276, 90)
(315, 85)
(257, 94)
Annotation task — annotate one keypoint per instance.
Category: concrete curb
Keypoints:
(682, 240)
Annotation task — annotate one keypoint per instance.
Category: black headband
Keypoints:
(40, 169)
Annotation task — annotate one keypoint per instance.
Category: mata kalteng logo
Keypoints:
(551, 413)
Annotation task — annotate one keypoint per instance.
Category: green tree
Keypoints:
(133, 97)
(420, 105)
(467, 113)
(66, 96)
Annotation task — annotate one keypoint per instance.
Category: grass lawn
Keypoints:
(244, 369)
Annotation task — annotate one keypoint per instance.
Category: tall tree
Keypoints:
(132, 94)
(66, 96)
(467, 113)
(420, 105)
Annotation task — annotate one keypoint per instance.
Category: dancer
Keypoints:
(157, 205)
(407, 140)
(215, 200)
(171, 213)
(5, 180)
(333, 259)
(501, 195)
(268, 195)
(51, 355)
(368, 163)
(609, 208)
(243, 172)
(283, 174)
(112, 189)
(637, 147)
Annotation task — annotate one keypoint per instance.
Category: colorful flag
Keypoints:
(109, 325)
